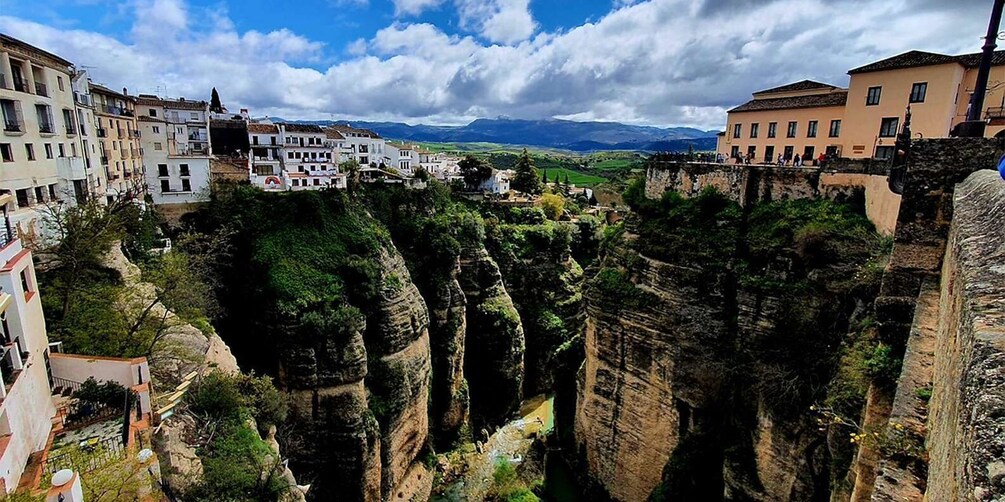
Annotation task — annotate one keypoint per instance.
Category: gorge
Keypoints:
(724, 341)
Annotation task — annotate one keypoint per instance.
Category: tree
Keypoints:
(526, 179)
(215, 105)
(474, 171)
(352, 172)
(553, 205)
(566, 186)
(544, 177)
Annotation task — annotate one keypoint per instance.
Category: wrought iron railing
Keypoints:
(63, 386)
(86, 457)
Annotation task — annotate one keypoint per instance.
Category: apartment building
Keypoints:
(118, 136)
(862, 121)
(402, 157)
(174, 134)
(310, 157)
(88, 138)
(36, 379)
(42, 149)
(362, 145)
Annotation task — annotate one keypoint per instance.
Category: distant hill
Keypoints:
(551, 133)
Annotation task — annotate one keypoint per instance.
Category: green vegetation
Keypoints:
(578, 178)
(526, 179)
(237, 464)
(507, 485)
(553, 206)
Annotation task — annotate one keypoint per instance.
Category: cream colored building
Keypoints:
(863, 120)
(42, 149)
(176, 148)
(118, 140)
(804, 118)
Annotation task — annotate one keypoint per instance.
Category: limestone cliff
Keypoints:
(700, 325)
(447, 331)
(494, 354)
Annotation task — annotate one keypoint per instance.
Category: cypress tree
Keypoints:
(215, 105)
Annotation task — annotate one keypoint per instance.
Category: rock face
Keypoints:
(647, 363)
(967, 421)
(447, 330)
(494, 344)
(360, 390)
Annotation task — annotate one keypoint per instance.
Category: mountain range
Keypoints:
(550, 133)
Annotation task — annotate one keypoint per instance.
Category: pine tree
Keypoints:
(526, 179)
(215, 105)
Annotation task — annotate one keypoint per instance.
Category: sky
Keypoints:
(654, 62)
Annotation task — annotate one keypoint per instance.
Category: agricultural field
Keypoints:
(577, 178)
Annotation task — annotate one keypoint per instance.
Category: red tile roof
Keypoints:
(256, 128)
(914, 59)
(803, 85)
(302, 128)
(809, 101)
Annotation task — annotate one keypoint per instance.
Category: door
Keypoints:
(769, 154)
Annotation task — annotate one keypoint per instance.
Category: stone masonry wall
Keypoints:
(748, 184)
(966, 441)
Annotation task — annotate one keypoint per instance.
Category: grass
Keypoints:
(575, 177)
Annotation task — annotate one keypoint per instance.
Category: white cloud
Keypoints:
(414, 7)
(662, 62)
(501, 21)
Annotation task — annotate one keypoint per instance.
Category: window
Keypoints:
(62, 150)
(59, 83)
(48, 150)
(183, 168)
(195, 116)
(791, 133)
(888, 128)
(29, 150)
(872, 96)
(39, 194)
(884, 152)
(835, 129)
(753, 131)
(73, 149)
(317, 182)
(158, 146)
(12, 121)
(165, 186)
(734, 153)
(162, 170)
(788, 152)
(918, 91)
(772, 129)
(254, 140)
(156, 129)
(289, 154)
(22, 197)
(808, 153)
(186, 185)
(769, 153)
(153, 113)
(6, 152)
(44, 114)
(811, 129)
(737, 128)
(52, 191)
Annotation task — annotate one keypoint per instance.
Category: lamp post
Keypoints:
(973, 127)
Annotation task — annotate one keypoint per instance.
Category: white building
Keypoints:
(33, 372)
(401, 157)
(498, 183)
(294, 157)
(176, 148)
(440, 166)
(41, 148)
(364, 146)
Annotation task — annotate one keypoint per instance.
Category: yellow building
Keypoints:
(802, 119)
(863, 121)
(119, 140)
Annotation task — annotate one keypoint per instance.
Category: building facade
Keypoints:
(176, 149)
(401, 157)
(42, 149)
(862, 121)
(118, 137)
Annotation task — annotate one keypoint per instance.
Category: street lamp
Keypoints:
(973, 127)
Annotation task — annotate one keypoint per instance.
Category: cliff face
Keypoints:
(447, 331)
(701, 320)
(494, 354)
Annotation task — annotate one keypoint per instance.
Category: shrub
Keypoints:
(553, 206)
(882, 365)
(216, 396)
(107, 393)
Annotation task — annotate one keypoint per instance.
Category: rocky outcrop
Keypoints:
(447, 330)
(494, 355)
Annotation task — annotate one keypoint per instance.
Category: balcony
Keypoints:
(83, 99)
(121, 134)
(71, 130)
(71, 168)
(41, 89)
(11, 363)
(994, 113)
(46, 128)
(102, 133)
(134, 134)
(123, 153)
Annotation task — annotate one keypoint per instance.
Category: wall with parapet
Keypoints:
(747, 184)
(966, 440)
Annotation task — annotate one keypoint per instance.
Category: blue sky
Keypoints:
(652, 62)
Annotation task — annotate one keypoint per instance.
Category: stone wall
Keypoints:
(966, 441)
(747, 184)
